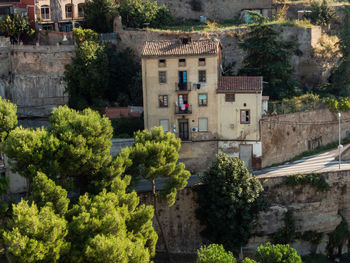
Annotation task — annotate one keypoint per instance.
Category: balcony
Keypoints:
(183, 86)
(182, 109)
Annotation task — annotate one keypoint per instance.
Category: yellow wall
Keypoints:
(229, 122)
(152, 89)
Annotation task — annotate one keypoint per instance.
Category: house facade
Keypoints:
(184, 92)
(59, 15)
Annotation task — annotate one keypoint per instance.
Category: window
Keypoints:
(201, 62)
(81, 10)
(164, 124)
(203, 99)
(182, 62)
(163, 101)
(202, 76)
(162, 77)
(45, 12)
(68, 11)
(229, 97)
(245, 116)
(203, 124)
(162, 63)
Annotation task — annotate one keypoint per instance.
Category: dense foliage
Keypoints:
(229, 202)
(8, 118)
(268, 56)
(108, 227)
(142, 13)
(315, 180)
(87, 77)
(214, 254)
(99, 15)
(74, 149)
(98, 76)
(321, 13)
(340, 79)
(275, 254)
(125, 127)
(16, 27)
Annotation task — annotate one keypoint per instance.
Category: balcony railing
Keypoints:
(183, 86)
(183, 109)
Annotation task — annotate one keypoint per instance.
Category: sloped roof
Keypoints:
(240, 84)
(177, 48)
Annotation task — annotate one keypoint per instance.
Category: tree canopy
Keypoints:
(16, 27)
(99, 15)
(229, 199)
(269, 56)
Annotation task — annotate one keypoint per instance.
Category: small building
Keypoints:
(21, 7)
(184, 92)
(59, 15)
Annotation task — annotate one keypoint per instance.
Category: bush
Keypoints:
(125, 127)
(214, 254)
(230, 199)
(328, 47)
(277, 254)
(321, 13)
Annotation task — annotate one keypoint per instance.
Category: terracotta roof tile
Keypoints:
(240, 84)
(176, 48)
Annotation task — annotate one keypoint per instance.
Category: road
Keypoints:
(321, 162)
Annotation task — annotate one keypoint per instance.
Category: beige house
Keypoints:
(184, 92)
(59, 15)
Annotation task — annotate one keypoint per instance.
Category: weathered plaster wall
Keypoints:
(312, 211)
(214, 9)
(285, 136)
(308, 69)
(31, 77)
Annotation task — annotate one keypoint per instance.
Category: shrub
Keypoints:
(328, 47)
(321, 13)
(230, 199)
(125, 127)
(277, 254)
(214, 254)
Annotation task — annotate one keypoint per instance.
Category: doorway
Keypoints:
(183, 130)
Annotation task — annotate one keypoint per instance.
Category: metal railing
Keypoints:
(183, 86)
(182, 109)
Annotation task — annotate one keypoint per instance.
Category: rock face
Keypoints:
(311, 209)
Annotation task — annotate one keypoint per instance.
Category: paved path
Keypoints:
(317, 163)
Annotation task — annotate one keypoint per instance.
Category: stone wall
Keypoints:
(31, 77)
(285, 136)
(213, 9)
(308, 69)
(312, 211)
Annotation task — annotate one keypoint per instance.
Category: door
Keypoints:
(245, 154)
(182, 80)
(183, 129)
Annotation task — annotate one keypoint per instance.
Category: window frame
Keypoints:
(201, 62)
(165, 76)
(47, 14)
(167, 101)
(67, 12)
(249, 116)
(162, 125)
(161, 64)
(203, 118)
(182, 63)
(82, 7)
(230, 94)
(199, 76)
(199, 100)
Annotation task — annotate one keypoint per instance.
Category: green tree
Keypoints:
(277, 254)
(155, 155)
(36, 234)
(229, 199)
(8, 118)
(111, 227)
(87, 77)
(268, 56)
(16, 27)
(321, 13)
(142, 13)
(214, 254)
(75, 148)
(99, 15)
(340, 79)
